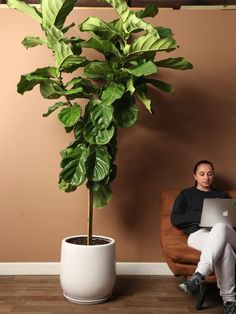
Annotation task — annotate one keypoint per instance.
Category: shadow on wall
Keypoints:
(223, 183)
(160, 150)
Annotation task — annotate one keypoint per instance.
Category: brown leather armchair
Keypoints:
(181, 259)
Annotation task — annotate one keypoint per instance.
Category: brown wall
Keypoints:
(159, 152)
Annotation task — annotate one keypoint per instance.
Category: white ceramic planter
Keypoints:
(88, 272)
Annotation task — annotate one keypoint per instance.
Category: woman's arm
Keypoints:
(181, 215)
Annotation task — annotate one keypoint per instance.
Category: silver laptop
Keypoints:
(218, 210)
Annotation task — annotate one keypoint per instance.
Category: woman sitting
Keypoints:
(217, 245)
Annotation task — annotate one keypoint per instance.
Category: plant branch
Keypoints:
(90, 218)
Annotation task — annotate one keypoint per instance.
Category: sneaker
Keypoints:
(230, 307)
(194, 284)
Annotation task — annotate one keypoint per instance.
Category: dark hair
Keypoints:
(202, 162)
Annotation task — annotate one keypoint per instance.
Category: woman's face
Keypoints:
(204, 177)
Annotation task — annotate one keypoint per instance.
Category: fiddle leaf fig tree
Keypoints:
(129, 47)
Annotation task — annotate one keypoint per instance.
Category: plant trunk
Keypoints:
(90, 218)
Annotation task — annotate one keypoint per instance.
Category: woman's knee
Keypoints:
(222, 232)
(219, 232)
(221, 227)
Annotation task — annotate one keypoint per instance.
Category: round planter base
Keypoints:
(86, 301)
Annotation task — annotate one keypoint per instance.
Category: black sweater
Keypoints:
(187, 208)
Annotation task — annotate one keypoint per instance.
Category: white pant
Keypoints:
(218, 247)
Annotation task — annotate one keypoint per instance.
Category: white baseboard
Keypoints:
(29, 268)
(54, 269)
(143, 269)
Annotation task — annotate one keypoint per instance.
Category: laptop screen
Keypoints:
(216, 210)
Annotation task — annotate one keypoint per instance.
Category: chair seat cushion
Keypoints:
(178, 251)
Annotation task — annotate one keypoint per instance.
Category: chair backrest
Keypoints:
(167, 198)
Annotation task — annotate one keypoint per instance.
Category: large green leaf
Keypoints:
(102, 195)
(94, 135)
(78, 131)
(130, 85)
(42, 74)
(49, 72)
(30, 80)
(54, 12)
(125, 112)
(67, 152)
(66, 187)
(70, 116)
(39, 78)
(138, 59)
(105, 47)
(175, 63)
(69, 92)
(30, 41)
(66, 8)
(131, 22)
(51, 109)
(99, 69)
(112, 93)
(145, 69)
(74, 165)
(147, 43)
(25, 8)
(141, 92)
(81, 94)
(25, 85)
(47, 77)
(150, 10)
(73, 62)
(62, 52)
(74, 81)
(48, 91)
(101, 115)
(164, 32)
(98, 163)
(120, 6)
(112, 150)
(54, 35)
(165, 87)
(88, 89)
(79, 81)
(97, 26)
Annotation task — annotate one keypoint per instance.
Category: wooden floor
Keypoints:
(132, 295)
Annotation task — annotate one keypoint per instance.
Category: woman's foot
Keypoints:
(194, 284)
